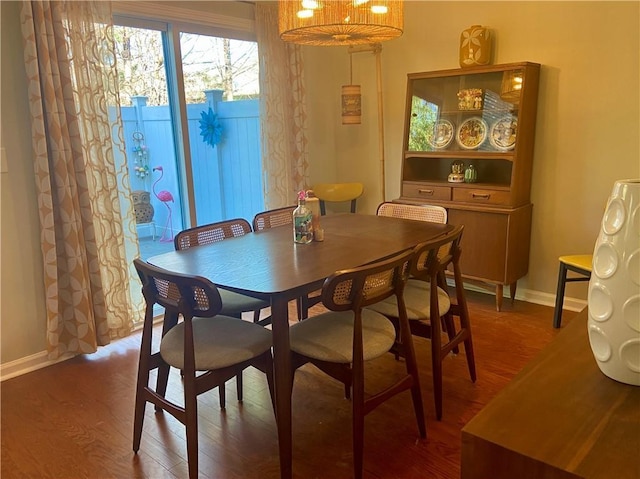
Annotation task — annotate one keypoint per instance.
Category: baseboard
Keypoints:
(29, 363)
(41, 360)
(530, 296)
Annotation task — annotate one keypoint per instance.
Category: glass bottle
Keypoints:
(302, 221)
(313, 203)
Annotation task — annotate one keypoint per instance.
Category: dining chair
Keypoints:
(430, 213)
(336, 193)
(233, 304)
(207, 347)
(427, 300)
(273, 218)
(579, 264)
(341, 340)
(283, 217)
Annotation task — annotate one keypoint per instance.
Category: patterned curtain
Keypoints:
(88, 230)
(283, 116)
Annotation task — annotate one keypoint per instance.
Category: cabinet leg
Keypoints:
(512, 290)
(499, 295)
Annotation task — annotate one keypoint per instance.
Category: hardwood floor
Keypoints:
(74, 419)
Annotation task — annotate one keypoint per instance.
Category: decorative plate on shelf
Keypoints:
(471, 133)
(441, 134)
(503, 133)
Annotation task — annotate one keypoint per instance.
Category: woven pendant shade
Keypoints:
(339, 22)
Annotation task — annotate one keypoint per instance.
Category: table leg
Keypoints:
(282, 374)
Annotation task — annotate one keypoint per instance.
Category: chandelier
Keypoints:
(339, 22)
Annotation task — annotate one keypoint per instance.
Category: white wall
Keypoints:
(22, 321)
(587, 135)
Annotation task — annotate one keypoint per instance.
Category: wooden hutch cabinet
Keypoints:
(468, 146)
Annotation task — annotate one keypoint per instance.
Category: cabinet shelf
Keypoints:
(462, 154)
(484, 112)
(476, 185)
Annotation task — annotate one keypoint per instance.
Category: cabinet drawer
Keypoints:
(492, 197)
(420, 190)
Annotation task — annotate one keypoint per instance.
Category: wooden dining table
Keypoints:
(269, 265)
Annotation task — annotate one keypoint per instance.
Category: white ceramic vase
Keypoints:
(614, 288)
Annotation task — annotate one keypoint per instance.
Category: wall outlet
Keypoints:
(4, 168)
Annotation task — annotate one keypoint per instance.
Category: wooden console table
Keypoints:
(560, 418)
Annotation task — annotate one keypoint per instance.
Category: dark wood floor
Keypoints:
(74, 419)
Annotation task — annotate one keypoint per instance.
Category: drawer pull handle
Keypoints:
(425, 192)
(484, 196)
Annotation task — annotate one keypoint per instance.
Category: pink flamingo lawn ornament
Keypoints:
(166, 197)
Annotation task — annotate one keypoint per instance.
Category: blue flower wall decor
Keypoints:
(210, 128)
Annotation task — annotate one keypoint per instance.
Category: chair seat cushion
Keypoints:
(218, 342)
(234, 303)
(416, 299)
(581, 261)
(329, 336)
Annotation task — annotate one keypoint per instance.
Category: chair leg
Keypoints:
(162, 381)
(465, 326)
(416, 395)
(191, 425)
(471, 361)
(268, 370)
(562, 278)
(138, 419)
(300, 308)
(437, 386)
(222, 393)
(353, 206)
(239, 386)
(450, 327)
(357, 420)
(436, 368)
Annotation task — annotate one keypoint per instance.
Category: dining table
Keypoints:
(270, 265)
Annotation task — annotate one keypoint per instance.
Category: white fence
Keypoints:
(227, 178)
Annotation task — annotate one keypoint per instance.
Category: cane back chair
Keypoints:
(207, 347)
(339, 341)
(233, 304)
(427, 300)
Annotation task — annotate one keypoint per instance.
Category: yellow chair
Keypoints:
(579, 264)
(338, 192)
